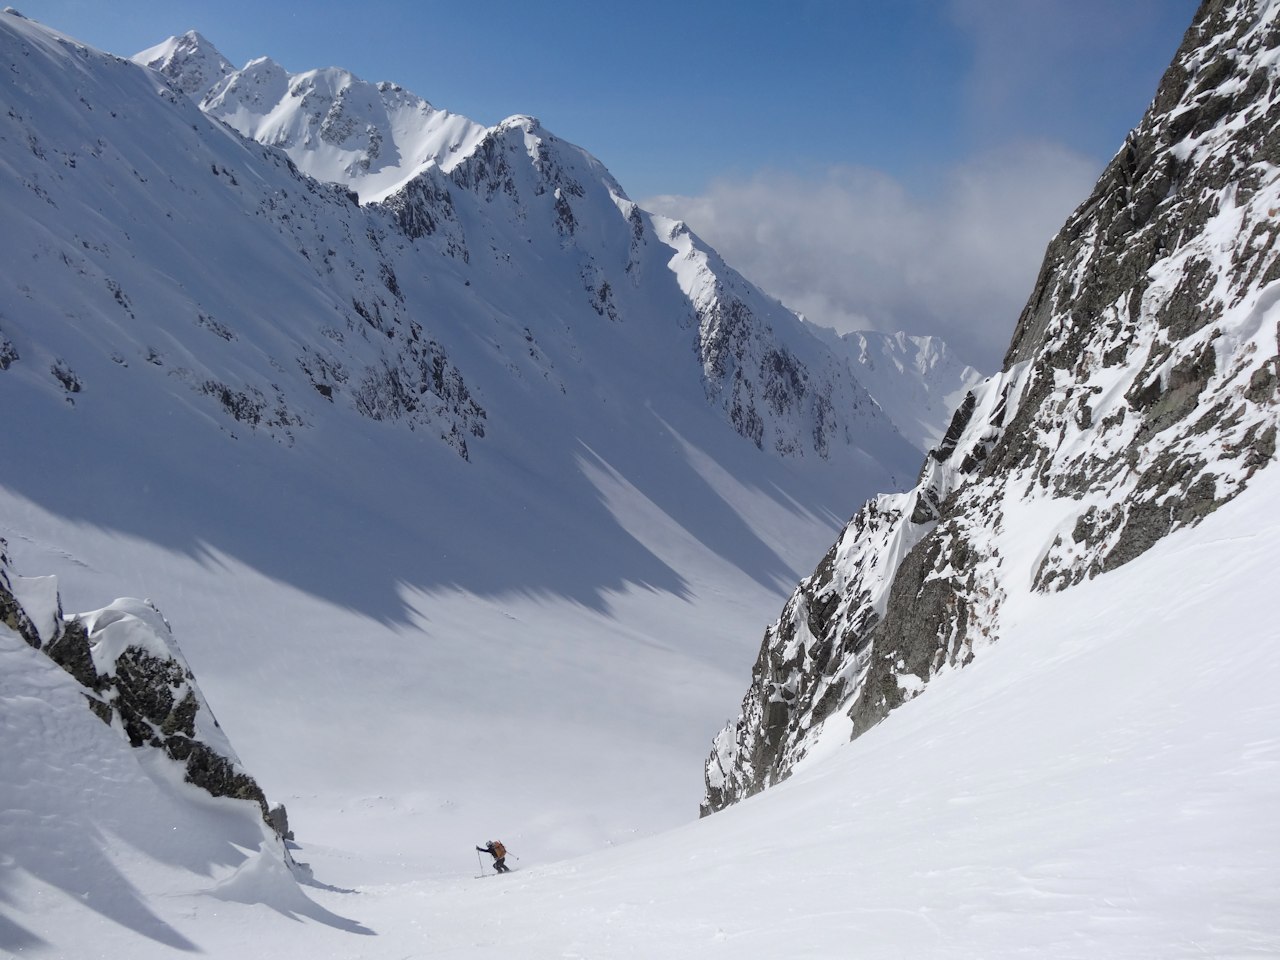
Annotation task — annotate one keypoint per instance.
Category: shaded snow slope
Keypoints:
(460, 502)
(917, 381)
(114, 775)
(1093, 786)
(376, 139)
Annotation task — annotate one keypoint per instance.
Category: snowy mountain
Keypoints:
(492, 474)
(420, 651)
(198, 286)
(191, 63)
(335, 126)
(1139, 395)
(917, 381)
(518, 231)
(376, 138)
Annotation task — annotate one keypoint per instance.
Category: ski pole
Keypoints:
(481, 863)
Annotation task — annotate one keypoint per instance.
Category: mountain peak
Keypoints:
(337, 127)
(521, 121)
(504, 289)
(190, 61)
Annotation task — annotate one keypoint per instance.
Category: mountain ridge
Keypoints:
(1139, 394)
(378, 139)
(472, 336)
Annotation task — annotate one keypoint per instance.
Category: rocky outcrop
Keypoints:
(190, 62)
(134, 679)
(1138, 395)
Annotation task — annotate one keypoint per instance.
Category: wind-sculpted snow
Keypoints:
(1139, 395)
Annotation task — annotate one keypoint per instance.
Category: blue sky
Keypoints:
(700, 107)
(672, 94)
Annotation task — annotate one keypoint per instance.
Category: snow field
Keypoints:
(1100, 783)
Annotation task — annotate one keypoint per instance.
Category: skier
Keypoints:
(496, 850)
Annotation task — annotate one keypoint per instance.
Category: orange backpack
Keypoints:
(499, 851)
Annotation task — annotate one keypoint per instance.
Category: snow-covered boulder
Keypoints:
(134, 678)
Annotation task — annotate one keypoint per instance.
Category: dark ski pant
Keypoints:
(500, 864)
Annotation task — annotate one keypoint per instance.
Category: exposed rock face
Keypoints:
(791, 396)
(134, 679)
(1138, 395)
(190, 62)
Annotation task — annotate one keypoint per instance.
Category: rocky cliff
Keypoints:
(1138, 395)
(134, 679)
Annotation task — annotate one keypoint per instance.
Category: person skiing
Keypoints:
(496, 850)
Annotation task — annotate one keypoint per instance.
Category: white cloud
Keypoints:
(856, 248)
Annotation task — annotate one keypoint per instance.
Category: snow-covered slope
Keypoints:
(481, 484)
(917, 381)
(1095, 785)
(181, 282)
(377, 139)
(335, 126)
(1139, 395)
(113, 763)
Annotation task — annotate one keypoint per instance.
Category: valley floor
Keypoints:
(1101, 783)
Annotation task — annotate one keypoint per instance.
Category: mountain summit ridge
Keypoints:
(374, 137)
(388, 144)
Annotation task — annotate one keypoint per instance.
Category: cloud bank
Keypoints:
(857, 249)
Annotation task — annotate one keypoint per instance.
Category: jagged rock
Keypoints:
(8, 353)
(133, 675)
(12, 614)
(278, 817)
